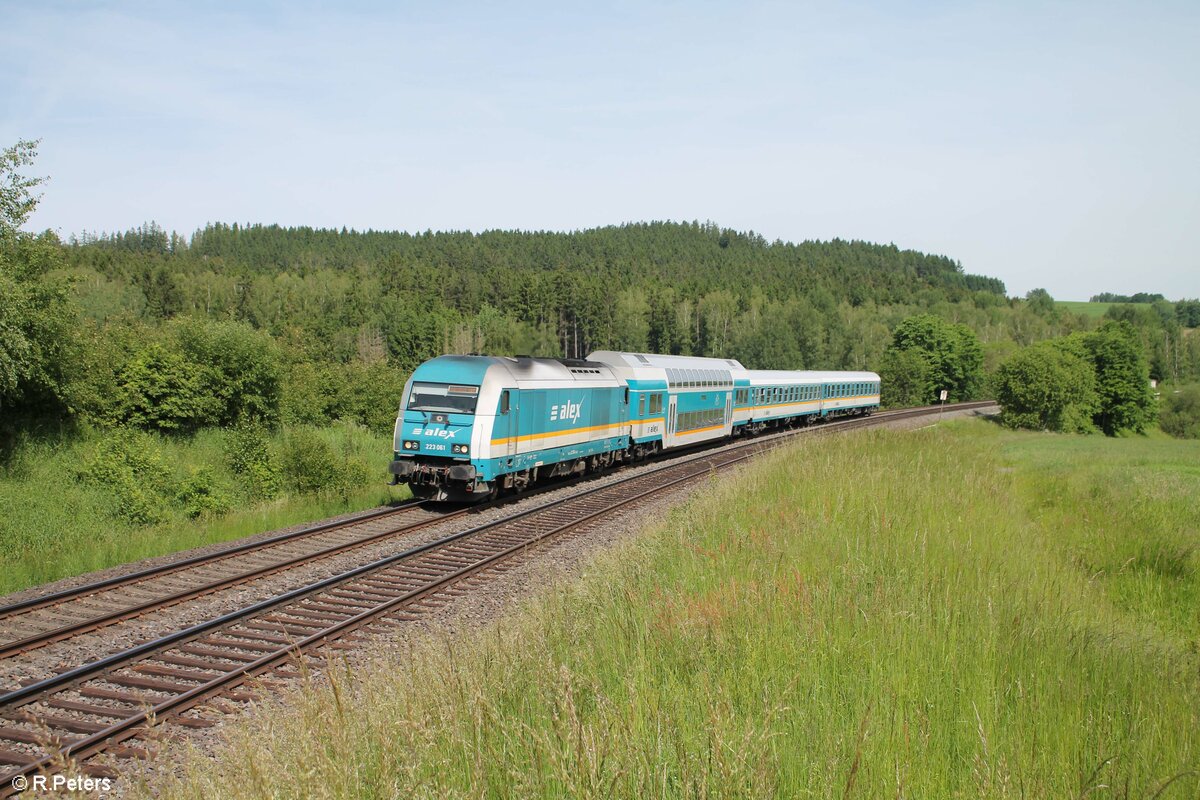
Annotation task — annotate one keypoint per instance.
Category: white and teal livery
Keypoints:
(471, 426)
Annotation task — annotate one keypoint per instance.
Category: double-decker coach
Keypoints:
(676, 401)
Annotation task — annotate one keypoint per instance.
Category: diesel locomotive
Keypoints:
(470, 427)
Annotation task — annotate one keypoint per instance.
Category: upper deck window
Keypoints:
(443, 397)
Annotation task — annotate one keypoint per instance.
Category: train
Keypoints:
(471, 427)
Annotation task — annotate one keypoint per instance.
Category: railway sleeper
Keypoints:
(197, 650)
(171, 672)
(53, 721)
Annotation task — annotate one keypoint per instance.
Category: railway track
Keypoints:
(39, 621)
(100, 706)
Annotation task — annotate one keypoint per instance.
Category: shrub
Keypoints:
(240, 368)
(1180, 414)
(248, 455)
(1047, 386)
(200, 497)
(311, 466)
(904, 376)
(189, 374)
(128, 465)
(157, 388)
(309, 463)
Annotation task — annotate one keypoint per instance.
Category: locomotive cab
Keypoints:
(470, 426)
(434, 438)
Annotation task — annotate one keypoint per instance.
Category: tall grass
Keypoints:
(883, 614)
(54, 523)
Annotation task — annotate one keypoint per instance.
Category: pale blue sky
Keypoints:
(1050, 145)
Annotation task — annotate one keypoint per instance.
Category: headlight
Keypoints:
(461, 449)
(410, 445)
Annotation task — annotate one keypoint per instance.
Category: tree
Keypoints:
(1040, 302)
(37, 317)
(952, 351)
(17, 200)
(159, 389)
(1047, 386)
(1180, 415)
(904, 375)
(1122, 378)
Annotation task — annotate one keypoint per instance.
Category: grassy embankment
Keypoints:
(61, 515)
(968, 612)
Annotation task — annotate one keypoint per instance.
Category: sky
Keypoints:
(1052, 145)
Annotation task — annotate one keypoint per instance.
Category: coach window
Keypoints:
(504, 402)
(641, 405)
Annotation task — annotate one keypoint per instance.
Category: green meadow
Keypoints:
(1094, 310)
(72, 504)
(958, 611)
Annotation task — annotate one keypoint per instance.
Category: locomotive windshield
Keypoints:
(445, 397)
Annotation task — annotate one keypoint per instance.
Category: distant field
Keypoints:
(968, 612)
(1093, 309)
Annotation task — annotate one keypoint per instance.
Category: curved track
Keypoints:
(98, 706)
(39, 621)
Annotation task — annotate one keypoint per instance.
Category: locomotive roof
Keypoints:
(472, 369)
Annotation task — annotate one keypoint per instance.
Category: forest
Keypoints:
(261, 323)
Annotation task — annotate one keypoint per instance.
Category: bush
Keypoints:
(248, 455)
(311, 466)
(239, 365)
(1047, 386)
(367, 394)
(904, 376)
(1180, 414)
(200, 497)
(157, 388)
(185, 376)
(128, 465)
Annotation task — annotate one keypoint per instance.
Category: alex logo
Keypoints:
(566, 411)
(445, 434)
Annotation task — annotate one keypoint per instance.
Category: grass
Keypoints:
(54, 524)
(1094, 310)
(967, 612)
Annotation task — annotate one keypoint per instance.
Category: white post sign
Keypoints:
(944, 394)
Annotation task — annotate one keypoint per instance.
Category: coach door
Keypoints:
(728, 412)
(669, 436)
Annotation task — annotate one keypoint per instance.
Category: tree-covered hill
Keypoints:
(696, 257)
(671, 287)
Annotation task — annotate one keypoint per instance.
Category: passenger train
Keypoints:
(470, 427)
